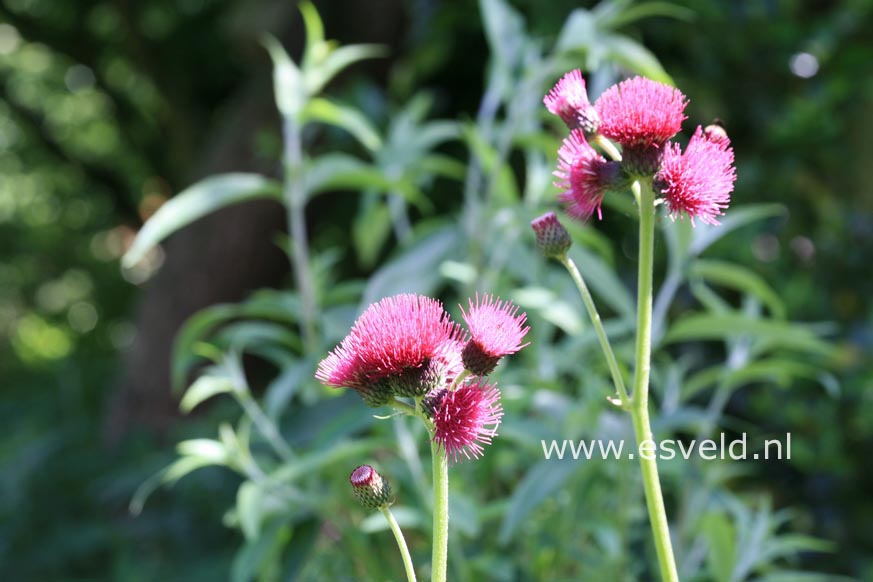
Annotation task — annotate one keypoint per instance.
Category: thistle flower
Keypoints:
(496, 330)
(640, 112)
(466, 419)
(553, 240)
(584, 176)
(568, 99)
(698, 182)
(394, 338)
(370, 489)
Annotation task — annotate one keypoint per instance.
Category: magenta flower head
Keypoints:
(568, 99)
(394, 340)
(496, 330)
(553, 240)
(370, 489)
(466, 419)
(698, 182)
(584, 176)
(641, 112)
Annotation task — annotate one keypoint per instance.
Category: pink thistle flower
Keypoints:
(698, 182)
(568, 99)
(584, 176)
(640, 112)
(496, 330)
(392, 337)
(466, 419)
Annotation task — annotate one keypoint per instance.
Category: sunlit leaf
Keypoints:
(347, 118)
(195, 202)
(204, 388)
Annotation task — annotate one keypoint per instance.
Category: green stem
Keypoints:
(640, 403)
(403, 407)
(601, 333)
(295, 201)
(608, 147)
(265, 426)
(440, 513)
(401, 543)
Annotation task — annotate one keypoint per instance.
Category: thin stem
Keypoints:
(439, 560)
(401, 543)
(403, 407)
(601, 333)
(265, 426)
(640, 403)
(295, 201)
(608, 147)
(458, 379)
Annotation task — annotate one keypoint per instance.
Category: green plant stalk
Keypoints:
(295, 202)
(401, 543)
(265, 426)
(439, 559)
(593, 314)
(640, 399)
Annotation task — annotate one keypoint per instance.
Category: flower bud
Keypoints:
(371, 490)
(553, 240)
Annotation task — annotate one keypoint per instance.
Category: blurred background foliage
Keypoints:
(108, 109)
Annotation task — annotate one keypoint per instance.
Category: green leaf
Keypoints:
(370, 231)
(579, 32)
(207, 449)
(721, 550)
(633, 56)
(706, 234)
(416, 270)
(248, 509)
(204, 388)
(195, 202)
(550, 307)
(702, 327)
(603, 282)
(504, 29)
(347, 118)
(288, 83)
(541, 480)
(779, 371)
(741, 279)
(408, 518)
(318, 75)
(314, 29)
(340, 171)
(629, 13)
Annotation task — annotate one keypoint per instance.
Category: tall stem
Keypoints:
(401, 543)
(640, 401)
(440, 513)
(295, 201)
(601, 333)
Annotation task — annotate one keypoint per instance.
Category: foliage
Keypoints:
(410, 175)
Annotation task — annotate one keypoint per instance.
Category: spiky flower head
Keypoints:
(496, 330)
(370, 488)
(395, 337)
(584, 176)
(438, 371)
(640, 112)
(568, 99)
(553, 240)
(699, 181)
(467, 418)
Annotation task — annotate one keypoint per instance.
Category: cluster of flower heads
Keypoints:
(408, 346)
(641, 116)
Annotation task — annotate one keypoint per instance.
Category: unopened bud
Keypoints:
(553, 240)
(716, 133)
(370, 489)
